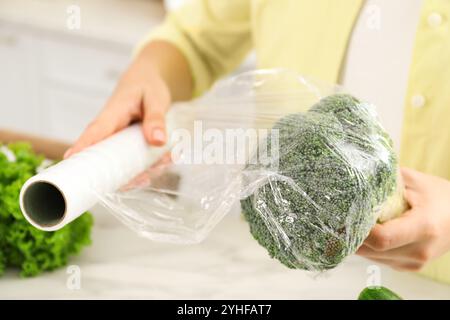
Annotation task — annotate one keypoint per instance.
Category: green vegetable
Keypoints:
(378, 293)
(335, 168)
(22, 245)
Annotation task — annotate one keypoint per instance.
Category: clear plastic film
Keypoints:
(310, 165)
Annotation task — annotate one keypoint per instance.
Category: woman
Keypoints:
(393, 53)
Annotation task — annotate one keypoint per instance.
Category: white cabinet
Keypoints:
(76, 79)
(54, 80)
(66, 113)
(53, 84)
(17, 81)
(85, 64)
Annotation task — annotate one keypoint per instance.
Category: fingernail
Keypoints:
(159, 135)
(67, 153)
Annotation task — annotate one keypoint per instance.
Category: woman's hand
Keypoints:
(421, 233)
(144, 93)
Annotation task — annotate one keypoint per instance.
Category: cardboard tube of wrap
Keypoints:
(61, 193)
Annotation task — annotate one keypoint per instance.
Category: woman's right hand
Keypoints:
(142, 94)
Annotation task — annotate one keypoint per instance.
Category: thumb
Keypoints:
(396, 232)
(154, 123)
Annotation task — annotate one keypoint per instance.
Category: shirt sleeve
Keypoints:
(213, 35)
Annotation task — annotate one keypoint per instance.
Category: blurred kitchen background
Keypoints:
(54, 79)
(55, 76)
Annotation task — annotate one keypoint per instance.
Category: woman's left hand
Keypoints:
(422, 233)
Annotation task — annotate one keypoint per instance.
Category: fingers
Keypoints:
(395, 233)
(148, 105)
(108, 122)
(95, 132)
(402, 253)
(140, 181)
(408, 258)
(155, 107)
(399, 265)
(403, 243)
(410, 241)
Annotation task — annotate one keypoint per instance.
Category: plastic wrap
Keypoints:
(310, 165)
(336, 177)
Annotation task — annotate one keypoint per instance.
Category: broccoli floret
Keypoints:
(335, 168)
(22, 245)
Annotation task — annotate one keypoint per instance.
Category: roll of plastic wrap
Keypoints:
(61, 193)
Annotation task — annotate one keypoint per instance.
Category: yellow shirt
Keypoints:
(311, 37)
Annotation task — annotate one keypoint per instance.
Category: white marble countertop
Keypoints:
(229, 264)
(121, 21)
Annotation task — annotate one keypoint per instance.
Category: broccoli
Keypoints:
(22, 245)
(336, 167)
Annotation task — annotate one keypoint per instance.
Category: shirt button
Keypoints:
(417, 101)
(434, 20)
